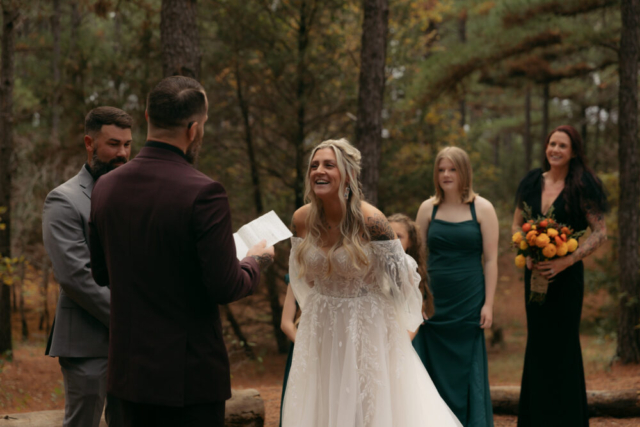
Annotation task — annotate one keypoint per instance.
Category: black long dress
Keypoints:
(553, 386)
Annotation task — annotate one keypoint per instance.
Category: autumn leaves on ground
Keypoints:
(31, 381)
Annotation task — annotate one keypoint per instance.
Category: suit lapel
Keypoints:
(86, 181)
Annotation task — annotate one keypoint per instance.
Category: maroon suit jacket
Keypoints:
(161, 238)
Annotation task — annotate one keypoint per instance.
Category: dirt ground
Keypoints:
(30, 381)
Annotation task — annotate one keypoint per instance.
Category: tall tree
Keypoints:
(55, 69)
(10, 13)
(179, 37)
(628, 209)
(371, 92)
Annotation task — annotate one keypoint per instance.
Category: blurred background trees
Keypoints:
(282, 75)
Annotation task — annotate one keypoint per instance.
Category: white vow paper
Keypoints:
(267, 227)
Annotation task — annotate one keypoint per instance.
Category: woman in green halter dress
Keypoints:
(459, 227)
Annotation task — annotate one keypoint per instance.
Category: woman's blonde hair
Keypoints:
(462, 163)
(417, 252)
(354, 233)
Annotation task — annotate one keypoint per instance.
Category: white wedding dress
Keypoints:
(353, 363)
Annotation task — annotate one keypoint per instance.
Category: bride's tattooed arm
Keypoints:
(597, 237)
(379, 228)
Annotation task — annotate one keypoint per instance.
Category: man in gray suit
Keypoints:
(80, 334)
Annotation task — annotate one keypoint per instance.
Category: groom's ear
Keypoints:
(192, 131)
(146, 115)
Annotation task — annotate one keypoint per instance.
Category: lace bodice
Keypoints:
(390, 272)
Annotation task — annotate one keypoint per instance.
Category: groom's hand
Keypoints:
(262, 254)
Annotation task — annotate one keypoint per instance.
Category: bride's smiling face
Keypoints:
(324, 174)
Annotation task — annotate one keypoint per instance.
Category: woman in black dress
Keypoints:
(553, 385)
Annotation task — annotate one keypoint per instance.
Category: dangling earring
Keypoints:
(346, 192)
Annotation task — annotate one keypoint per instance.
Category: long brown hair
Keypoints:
(416, 251)
(577, 198)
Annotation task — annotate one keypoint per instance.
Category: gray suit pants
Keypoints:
(85, 391)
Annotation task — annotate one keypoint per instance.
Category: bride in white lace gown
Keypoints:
(353, 363)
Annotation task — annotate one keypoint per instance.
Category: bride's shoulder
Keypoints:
(377, 224)
(298, 221)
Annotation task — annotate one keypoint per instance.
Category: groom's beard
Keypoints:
(99, 168)
(193, 150)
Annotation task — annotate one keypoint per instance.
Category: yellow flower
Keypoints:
(562, 249)
(517, 238)
(552, 232)
(542, 240)
(549, 251)
(521, 261)
(523, 245)
(572, 245)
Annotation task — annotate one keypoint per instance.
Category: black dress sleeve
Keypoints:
(527, 187)
(594, 196)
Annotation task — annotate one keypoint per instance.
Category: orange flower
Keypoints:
(572, 245)
(542, 240)
(552, 232)
(549, 251)
(526, 227)
(565, 230)
(521, 261)
(531, 237)
(544, 223)
(562, 249)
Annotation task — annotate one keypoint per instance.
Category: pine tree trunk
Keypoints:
(23, 319)
(301, 100)
(179, 38)
(629, 54)
(55, 69)
(9, 20)
(584, 130)
(528, 149)
(371, 93)
(545, 120)
(45, 322)
(462, 35)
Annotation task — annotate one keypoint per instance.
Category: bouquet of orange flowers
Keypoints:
(542, 239)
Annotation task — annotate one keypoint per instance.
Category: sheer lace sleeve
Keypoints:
(399, 279)
(300, 286)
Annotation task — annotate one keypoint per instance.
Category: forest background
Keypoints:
(400, 79)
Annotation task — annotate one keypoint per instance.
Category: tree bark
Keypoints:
(179, 38)
(10, 15)
(301, 99)
(528, 149)
(584, 129)
(545, 120)
(462, 35)
(45, 322)
(55, 69)
(628, 212)
(23, 319)
(371, 93)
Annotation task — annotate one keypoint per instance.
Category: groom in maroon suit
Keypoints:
(161, 238)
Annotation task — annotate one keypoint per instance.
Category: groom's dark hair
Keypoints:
(175, 101)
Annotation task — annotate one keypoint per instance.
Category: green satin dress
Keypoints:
(451, 343)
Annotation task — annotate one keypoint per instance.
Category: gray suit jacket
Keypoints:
(80, 328)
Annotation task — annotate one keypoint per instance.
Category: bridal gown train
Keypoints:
(353, 364)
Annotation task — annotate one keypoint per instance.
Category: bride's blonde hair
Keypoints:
(353, 230)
